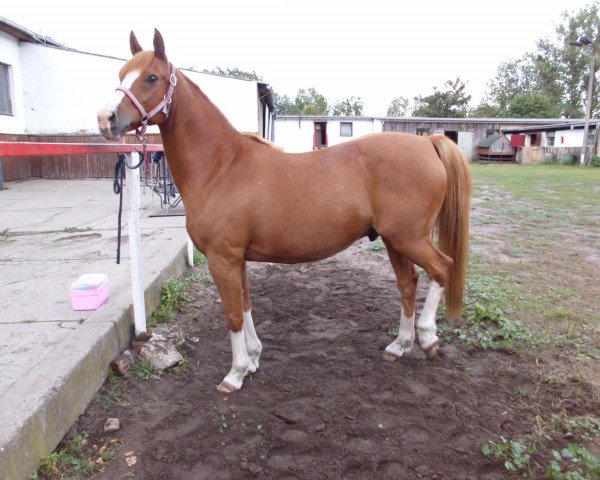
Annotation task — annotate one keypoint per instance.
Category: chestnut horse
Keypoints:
(246, 200)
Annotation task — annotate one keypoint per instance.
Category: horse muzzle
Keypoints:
(112, 124)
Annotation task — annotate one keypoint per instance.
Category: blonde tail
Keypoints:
(453, 220)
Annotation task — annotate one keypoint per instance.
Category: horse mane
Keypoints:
(259, 139)
(139, 62)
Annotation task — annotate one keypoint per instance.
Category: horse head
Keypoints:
(144, 94)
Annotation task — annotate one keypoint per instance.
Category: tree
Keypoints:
(310, 103)
(555, 71)
(514, 77)
(532, 106)
(307, 102)
(451, 102)
(398, 107)
(283, 104)
(485, 110)
(349, 107)
(235, 72)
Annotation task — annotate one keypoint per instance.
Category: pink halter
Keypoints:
(163, 106)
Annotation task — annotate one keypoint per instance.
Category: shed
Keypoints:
(495, 148)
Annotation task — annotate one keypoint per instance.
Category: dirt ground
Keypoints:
(324, 404)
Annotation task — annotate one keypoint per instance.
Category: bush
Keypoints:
(595, 161)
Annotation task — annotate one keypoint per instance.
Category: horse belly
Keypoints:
(298, 239)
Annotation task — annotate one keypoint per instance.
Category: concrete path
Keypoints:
(54, 359)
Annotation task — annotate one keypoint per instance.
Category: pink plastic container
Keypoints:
(89, 291)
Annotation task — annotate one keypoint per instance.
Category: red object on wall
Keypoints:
(562, 139)
(517, 140)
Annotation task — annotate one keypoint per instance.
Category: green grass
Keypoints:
(76, 229)
(543, 217)
(552, 185)
(144, 371)
(376, 245)
(173, 297)
(70, 460)
(116, 397)
(529, 455)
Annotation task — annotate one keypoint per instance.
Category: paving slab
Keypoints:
(52, 358)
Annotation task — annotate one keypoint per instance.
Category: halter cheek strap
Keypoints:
(163, 106)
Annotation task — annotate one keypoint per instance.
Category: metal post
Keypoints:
(135, 254)
(1, 176)
(588, 110)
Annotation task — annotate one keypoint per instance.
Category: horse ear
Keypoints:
(159, 46)
(134, 45)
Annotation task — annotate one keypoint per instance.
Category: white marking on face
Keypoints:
(118, 95)
(426, 323)
(106, 113)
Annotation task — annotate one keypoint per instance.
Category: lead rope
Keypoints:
(118, 189)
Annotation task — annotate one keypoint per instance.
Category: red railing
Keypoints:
(32, 149)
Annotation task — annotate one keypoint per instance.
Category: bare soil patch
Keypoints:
(324, 404)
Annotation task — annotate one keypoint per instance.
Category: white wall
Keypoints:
(294, 136)
(570, 138)
(359, 129)
(297, 136)
(9, 55)
(63, 91)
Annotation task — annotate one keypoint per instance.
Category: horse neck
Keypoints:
(198, 139)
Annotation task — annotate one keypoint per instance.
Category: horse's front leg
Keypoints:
(253, 345)
(227, 275)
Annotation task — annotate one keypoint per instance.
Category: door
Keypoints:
(465, 143)
(320, 135)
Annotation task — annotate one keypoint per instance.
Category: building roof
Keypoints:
(24, 35)
(325, 118)
(497, 121)
(489, 141)
(578, 123)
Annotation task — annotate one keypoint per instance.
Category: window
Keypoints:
(489, 132)
(591, 135)
(550, 136)
(5, 103)
(345, 129)
(422, 131)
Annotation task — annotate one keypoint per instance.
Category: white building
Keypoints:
(305, 133)
(46, 88)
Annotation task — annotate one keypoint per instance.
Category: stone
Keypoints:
(112, 425)
(122, 364)
(422, 470)
(160, 352)
(288, 417)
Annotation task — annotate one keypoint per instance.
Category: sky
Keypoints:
(376, 50)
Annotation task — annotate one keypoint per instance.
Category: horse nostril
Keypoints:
(112, 117)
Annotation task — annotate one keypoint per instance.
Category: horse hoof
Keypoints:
(388, 357)
(433, 350)
(225, 387)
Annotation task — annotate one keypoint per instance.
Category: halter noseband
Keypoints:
(163, 106)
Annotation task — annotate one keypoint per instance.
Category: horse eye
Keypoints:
(152, 78)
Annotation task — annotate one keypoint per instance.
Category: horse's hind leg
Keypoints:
(438, 266)
(406, 278)
(253, 345)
